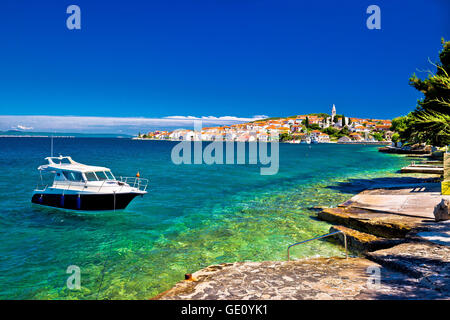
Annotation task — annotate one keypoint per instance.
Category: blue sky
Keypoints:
(240, 58)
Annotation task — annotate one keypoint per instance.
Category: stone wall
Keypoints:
(446, 181)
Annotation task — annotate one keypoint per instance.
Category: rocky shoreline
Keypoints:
(390, 231)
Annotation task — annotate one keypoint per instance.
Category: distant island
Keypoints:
(31, 134)
(310, 128)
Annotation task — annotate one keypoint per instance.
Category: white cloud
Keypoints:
(212, 118)
(133, 125)
(20, 127)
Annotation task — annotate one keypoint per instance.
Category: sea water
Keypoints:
(192, 217)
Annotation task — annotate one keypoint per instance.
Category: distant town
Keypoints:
(310, 128)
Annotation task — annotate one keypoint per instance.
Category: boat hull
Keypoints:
(85, 202)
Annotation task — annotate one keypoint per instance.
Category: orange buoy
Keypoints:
(138, 175)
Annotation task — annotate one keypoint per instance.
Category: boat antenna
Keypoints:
(51, 146)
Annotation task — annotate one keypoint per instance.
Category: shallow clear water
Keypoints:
(193, 216)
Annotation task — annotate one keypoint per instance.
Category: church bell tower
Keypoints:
(333, 113)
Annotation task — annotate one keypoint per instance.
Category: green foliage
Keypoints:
(431, 127)
(314, 126)
(344, 131)
(331, 131)
(336, 133)
(430, 121)
(266, 119)
(401, 125)
(285, 137)
(320, 115)
(395, 137)
(306, 122)
(378, 136)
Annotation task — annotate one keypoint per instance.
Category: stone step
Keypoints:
(363, 242)
(380, 224)
(428, 262)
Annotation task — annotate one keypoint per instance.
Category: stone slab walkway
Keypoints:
(315, 279)
(438, 233)
(428, 262)
(415, 201)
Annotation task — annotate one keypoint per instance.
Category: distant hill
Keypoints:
(266, 119)
(323, 115)
(19, 133)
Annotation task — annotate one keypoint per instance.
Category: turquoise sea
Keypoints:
(193, 216)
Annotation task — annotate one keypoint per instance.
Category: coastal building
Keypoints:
(356, 137)
(315, 133)
(344, 139)
(361, 130)
(263, 137)
(323, 138)
(382, 127)
(299, 136)
(230, 136)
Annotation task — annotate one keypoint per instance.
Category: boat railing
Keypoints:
(66, 186)
(42, 186)
(317, 238)
(135, 182)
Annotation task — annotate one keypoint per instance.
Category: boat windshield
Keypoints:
(99, 176)
(73, 176)
(90, 176)
(110, 175)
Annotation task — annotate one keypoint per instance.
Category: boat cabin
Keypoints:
(67, 170)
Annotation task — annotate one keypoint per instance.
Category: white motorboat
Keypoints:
(88, 188)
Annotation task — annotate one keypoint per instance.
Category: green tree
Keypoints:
(395, 137)
(285, 137)
(331, 131)
(378, 136)
(344, 131)
(306, 122)
(430, 121)
(314, 126)
(401, 125)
